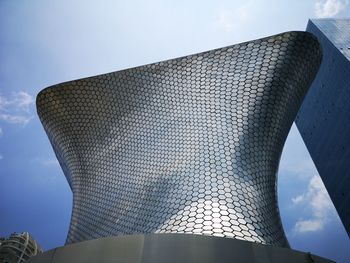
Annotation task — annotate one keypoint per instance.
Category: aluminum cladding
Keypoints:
(188, 145)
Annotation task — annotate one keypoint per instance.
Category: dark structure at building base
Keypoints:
(172, 248)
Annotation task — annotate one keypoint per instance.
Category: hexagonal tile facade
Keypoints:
(188, 145)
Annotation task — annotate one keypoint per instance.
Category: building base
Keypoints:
(184, 248)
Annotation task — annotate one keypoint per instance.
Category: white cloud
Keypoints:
(15, 119)
(16, 109)
(1, 157)
(47, 162)
(318, 196)
(298, 199)
(329, 8)
(1, 132)
(229, 20)
(296, 160)
(301, 166)
(308, 225)
(50, 162)
(316, 199)
(23, 100)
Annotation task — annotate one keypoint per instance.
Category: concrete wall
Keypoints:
(172, 248)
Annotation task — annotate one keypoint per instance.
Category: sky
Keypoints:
(47, 42)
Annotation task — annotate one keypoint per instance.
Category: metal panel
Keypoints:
(172, 248)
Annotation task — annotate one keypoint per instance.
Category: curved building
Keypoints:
(188, 145)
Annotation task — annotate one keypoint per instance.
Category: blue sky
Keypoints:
(47, 42)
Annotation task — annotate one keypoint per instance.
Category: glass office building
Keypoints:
(324, 118)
